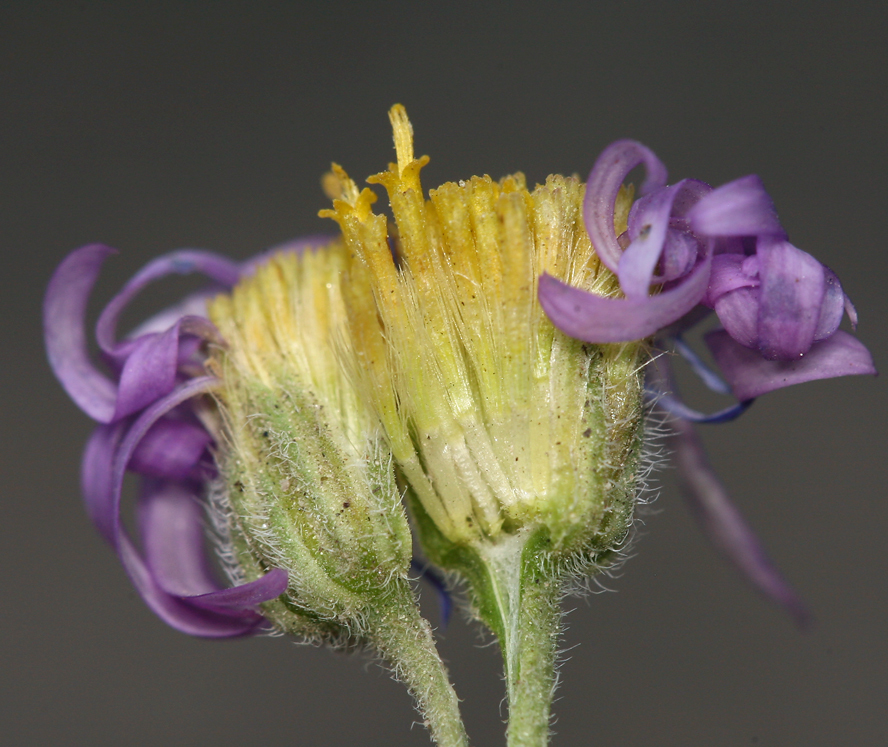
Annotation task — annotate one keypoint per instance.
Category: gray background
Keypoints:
(162, 125)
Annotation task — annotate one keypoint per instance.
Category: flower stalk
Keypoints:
(405, 640)
(521, 606)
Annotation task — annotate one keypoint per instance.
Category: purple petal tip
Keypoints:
(64, 312)
(726, 528)
(750, 375)
(597, 319)
(739, 208)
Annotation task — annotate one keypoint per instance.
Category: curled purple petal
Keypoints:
(171, 520)
(152, 360)
(719, 519)
(750, 375)
(793, 286)
(170, 449)
(651, 240)
(637, 264)
(149, 372)
(603, 186)
(659, 238)
(594, 318)
(171, 525)
(738, 311)
(730, 272)
(680, 253)
(769, 295)
(64, 312)
(148, 363)
(176, 611)
(202, 611)
(246, 596)
(96, 477)
(739, 208)
(724, 525)
(182, 262)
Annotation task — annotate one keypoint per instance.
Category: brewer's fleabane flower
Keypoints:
(308, 483)
(520, 446)
(260, 420)
(499, 422)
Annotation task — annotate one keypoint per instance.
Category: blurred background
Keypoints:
(153, 126)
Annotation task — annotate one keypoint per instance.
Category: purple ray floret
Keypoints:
(689, 248)
(718, 517)
(689, 245)
(145, 366)
(750, 375)
(725, 526)
(593, 318)
(64, 312)
(739, 208)
(148, 427)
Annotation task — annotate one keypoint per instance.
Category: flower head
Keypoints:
(483, 355)
(499, 423)
(688, 248)
(307, 480)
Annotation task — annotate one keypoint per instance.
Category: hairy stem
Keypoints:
(527, 621)
(405, 640)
